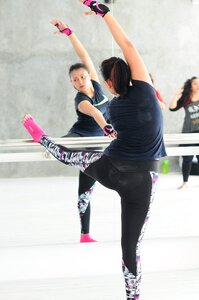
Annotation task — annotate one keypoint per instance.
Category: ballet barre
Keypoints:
(24, 150)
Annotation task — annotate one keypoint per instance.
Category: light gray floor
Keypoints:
(41, 257)
(155, 286)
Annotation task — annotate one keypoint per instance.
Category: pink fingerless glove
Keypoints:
(98, 8)
(66, 31)
(108, 130)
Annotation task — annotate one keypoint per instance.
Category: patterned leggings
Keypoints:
(136, 188)
(86, 186)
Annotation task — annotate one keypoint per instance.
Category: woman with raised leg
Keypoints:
(129, 164)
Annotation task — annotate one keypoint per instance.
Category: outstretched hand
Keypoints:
(62, 27)
(90, 12)
(96, 8)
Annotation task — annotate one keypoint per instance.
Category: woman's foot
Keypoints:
(85, 238)
(31, 126)
(183, 186)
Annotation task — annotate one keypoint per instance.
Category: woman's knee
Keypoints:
(103, 172)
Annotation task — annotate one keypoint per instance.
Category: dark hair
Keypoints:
(76, 67)
(118, 72)
(185, 99)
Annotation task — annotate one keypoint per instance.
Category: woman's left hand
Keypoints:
(109, 131)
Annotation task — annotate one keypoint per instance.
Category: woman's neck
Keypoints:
(195, 97)
(90, 92)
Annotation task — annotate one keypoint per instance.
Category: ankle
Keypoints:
(183, 185)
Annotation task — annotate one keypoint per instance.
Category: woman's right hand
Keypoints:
(63, 28)
(176, 97)
(179, 91)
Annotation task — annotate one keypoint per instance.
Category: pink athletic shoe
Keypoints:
(85, 238)
(31, 126)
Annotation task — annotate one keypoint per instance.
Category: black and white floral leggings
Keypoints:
(135, 182)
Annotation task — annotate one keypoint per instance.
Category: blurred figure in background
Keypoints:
(187, 97)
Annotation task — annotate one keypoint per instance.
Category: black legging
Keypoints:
(135, 183)
(186, 166)
(187, 163)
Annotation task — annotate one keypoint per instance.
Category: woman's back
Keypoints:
(138, 120)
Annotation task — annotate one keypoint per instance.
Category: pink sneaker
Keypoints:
(31, 126)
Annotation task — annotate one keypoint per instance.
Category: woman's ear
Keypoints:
(110, 87)
(108, 84)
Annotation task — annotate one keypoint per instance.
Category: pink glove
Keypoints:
(109, 130)
(98, 8)
(66, 31)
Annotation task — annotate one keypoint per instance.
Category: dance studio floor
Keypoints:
(41, 257)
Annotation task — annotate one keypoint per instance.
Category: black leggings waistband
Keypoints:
(133, 165)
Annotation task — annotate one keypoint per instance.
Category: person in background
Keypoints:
(187, 97)
(90, 105)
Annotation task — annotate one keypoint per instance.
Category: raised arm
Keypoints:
(78, 47)
(132, 57)
(175, 99)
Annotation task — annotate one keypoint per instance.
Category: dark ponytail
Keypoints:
(118, 72)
